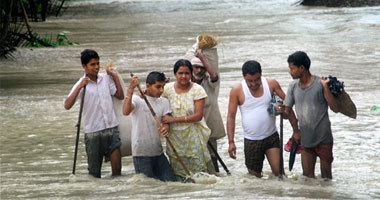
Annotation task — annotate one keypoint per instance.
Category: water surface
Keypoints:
(38, 134)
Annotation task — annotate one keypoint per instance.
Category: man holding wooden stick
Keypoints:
(147, 151)
(99, 119)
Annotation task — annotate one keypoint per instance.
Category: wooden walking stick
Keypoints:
(160, 125)
(78, 129)
(219, 158)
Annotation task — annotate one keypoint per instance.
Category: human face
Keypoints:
(253, 81)
(295, 71)
(92, 68)
(199, 72)
(183, 76)
(156, 89)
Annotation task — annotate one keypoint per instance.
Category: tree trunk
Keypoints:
(33, 10)
(6, 20)
(44, 5)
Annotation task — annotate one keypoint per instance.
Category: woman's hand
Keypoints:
(167, 119)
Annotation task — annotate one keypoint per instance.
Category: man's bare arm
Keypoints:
(288, 113)
(69, 102)
(231, 116)
(119, 90)
(213, 75)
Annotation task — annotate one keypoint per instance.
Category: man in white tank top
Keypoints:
(261, 139)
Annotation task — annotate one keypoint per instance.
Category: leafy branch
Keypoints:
(61, 40)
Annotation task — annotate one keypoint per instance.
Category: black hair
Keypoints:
(300, 58)
(183, 62)
(154, 77)
(88, 54)
(251, 67)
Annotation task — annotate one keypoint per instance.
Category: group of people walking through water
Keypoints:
(189, 117)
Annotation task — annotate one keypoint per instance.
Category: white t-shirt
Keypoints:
(145, 137)
(98, 113)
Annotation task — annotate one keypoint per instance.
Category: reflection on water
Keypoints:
(38, 135)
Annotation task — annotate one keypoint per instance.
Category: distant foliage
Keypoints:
(61, 40)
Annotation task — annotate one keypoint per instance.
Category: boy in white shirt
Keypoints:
(147, 151)
(99, 119)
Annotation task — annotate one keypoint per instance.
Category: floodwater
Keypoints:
(38, 134)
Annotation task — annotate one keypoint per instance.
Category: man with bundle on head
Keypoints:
(253, 96)
(207, 77)
(99, 119)
(147, 152)
(311, 96)
(205, 73)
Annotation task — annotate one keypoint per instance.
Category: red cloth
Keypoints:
(323, 151)
(288, 146)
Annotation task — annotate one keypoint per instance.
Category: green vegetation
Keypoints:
(374, 108)
(61, 40)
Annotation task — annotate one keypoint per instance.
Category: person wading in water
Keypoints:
(253, 96)
(147, 152)
(206, 76)
(312, 97)
(99, 119)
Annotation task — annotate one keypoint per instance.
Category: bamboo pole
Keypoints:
(160, 125)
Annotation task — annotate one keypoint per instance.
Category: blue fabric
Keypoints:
(156, 167)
